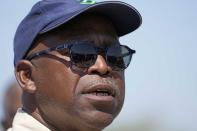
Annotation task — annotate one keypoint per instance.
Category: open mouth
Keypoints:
(102, 96)
(100, 91)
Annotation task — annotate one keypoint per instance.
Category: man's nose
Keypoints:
(100, 67)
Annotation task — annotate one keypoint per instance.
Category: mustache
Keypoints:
(104, 81)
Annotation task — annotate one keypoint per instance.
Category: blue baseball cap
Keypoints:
(47, 15)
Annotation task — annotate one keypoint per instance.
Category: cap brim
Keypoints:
(124, 17)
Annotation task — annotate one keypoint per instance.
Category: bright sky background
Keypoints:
(161, 83)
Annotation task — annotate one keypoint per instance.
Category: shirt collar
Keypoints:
(25, 122)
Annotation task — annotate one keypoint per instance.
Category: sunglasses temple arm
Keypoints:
(126, 54)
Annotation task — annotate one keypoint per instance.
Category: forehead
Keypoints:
(88, 27)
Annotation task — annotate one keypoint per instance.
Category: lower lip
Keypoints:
(101, 103)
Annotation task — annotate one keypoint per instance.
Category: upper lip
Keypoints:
(104, 88)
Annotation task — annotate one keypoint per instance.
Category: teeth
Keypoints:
(102, 94)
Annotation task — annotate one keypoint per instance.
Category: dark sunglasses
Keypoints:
(84, 54)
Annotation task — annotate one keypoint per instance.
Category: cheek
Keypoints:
(57, 83)
(119, 79)
(55, 96)
(120, 82)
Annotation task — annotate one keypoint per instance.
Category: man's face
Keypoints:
(72, 98)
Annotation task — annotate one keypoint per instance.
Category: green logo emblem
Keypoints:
(87, 2)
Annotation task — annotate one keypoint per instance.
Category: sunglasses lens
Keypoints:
(119, 57)
(83, 55)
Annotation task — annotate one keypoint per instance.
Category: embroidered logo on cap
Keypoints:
(87, 2)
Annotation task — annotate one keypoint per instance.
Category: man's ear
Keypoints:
(23, 73)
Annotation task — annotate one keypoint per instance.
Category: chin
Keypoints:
(98, 120)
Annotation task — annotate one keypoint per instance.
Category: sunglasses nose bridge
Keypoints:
(100, 66)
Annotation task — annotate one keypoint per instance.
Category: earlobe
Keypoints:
(23, 73)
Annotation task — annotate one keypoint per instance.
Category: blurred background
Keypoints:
(161, 83)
